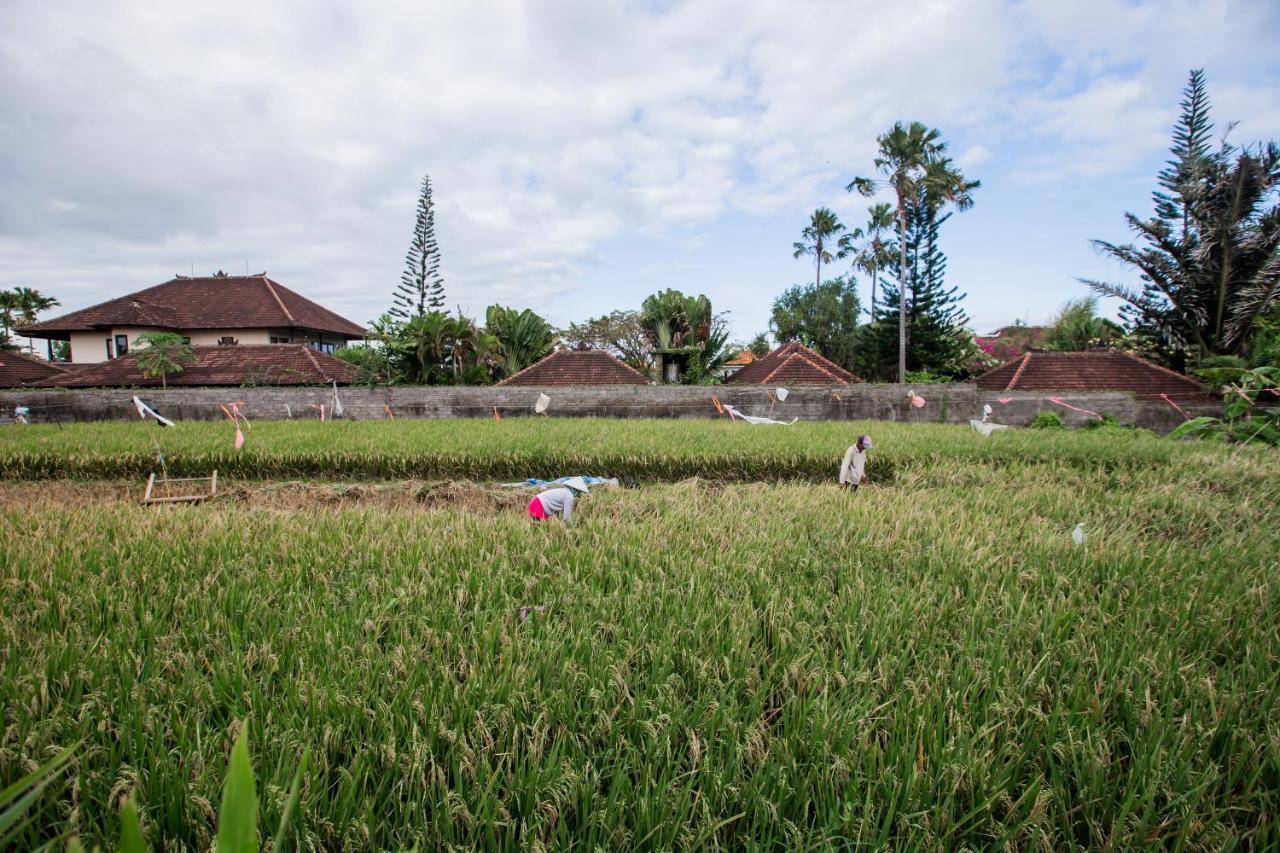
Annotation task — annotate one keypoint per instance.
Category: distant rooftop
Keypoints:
(203, 302)
(1093, 370)
(18, 370)
(792, 364)
(577, 367)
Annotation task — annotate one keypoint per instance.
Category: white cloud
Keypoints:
(141, 138)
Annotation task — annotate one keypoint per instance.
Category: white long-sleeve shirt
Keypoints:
(853, 466)
(557, 502)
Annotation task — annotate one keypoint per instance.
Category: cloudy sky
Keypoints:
(586, 153)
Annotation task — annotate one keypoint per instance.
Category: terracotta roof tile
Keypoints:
(1093, 370)
(256, 364)
(210, 302)
(793, 364)
(578, 367)
(18, 370)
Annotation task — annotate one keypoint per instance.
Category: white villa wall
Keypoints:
(91, 347)
(210, 337)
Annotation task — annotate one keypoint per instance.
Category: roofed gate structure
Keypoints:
(792, 364)
(577, 367)
(1093, 370)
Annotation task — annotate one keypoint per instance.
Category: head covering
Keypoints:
(577, 484)
(865, 441)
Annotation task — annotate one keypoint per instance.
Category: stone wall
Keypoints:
(955, 403)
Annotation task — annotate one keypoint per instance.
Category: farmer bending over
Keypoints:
(558, 501)
(853, 468)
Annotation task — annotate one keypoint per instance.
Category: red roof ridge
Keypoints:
(309, 354)
(566, 353)
(1017, 374)
(800, 355)
(279, 301)
(525, 369)
(31, 359)
(1160, 367)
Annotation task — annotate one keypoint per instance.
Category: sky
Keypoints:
(586, 153)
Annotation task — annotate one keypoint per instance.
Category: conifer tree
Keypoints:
(935, 320)
(421, 286)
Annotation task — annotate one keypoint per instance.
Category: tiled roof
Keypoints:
(211, 302)
(578, 367)
(256, 364)
(1093, 370)
(741, 359)
(792, 364)
(18, 370)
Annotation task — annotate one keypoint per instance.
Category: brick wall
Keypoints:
(955, 403)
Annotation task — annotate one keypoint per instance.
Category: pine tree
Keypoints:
(935, 320)
(421, 286)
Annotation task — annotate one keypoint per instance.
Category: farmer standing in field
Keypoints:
(558, 501)
(854, 467)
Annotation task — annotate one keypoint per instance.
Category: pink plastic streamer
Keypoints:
(917, 401)
(1176, 407)
(1066, 405)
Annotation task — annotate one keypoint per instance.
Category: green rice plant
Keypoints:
(717, 664)
(519, 448)
(1047, 420)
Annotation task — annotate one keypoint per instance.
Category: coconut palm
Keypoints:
(876, 253)
(21, 306)
(823, 231)
(9, 307)
(912, 160)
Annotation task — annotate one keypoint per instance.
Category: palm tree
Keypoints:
(30, 303)
(912, 159)
(824, 228)
(876, 253)
(9, 307)
(523, 337)
(1205, 291)
(431, 337)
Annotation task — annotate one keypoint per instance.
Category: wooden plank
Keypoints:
(151, 481)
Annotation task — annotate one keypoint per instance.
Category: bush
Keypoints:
(1106, 421)
(924, 377)
(1047, 420)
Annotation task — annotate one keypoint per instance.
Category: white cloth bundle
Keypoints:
(754, 420)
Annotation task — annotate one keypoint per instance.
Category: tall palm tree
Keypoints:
(913, 159)
(29, 303)
(824, 228)
(876, 253)
(9, 307)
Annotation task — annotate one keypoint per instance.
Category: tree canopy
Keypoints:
(1209, 258)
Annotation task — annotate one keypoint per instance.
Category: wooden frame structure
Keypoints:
(150, 496)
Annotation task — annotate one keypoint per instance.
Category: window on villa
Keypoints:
(122, 345)
(324, 346)
(110, 353)
(280, 339)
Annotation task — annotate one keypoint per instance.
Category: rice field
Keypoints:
(525, 447)
(748, 659)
